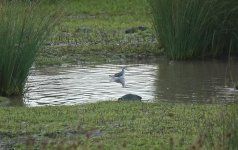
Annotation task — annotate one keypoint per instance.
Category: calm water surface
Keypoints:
(202, 81)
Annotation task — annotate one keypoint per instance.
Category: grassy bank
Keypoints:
(102, 30)
(115, 125)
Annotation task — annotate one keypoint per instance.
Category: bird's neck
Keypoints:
(123, 72)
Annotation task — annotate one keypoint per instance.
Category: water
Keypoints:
(86, 84)
(201, 81)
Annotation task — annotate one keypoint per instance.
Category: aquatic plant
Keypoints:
(189, 28)
(24, 26)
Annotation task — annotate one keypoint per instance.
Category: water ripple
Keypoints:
(85, 84)
(82, 84)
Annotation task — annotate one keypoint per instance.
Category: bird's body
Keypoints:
(119, 75)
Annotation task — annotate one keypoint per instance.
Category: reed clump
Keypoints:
(24, 26)
(196, 28)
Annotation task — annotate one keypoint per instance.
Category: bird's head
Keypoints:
(124, 68)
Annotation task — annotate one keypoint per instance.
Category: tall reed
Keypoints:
(24, 26)
(225, 36)
(189, 28)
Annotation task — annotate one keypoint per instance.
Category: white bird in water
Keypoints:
(119, 75)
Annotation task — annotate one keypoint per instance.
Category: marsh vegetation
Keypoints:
(192, 28)
(23, 29)
(104, 31)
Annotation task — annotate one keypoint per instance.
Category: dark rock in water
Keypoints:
(130, 97)
(135, 29)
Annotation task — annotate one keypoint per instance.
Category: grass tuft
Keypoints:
(24, 26)
(195, 28)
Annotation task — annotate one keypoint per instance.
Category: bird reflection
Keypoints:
(119, 80)
(119, 77)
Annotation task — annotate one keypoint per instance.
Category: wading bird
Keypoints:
(119, 75)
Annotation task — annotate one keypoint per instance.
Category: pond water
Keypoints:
(199, 81)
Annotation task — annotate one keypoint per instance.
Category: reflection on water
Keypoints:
(209, 81)
(122, 81)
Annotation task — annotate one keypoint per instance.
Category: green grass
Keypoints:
(97, 28)
(193, 28)
(115, 125)
(23, 29)
(108, 7)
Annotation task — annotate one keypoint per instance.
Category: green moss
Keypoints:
(114, 125)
